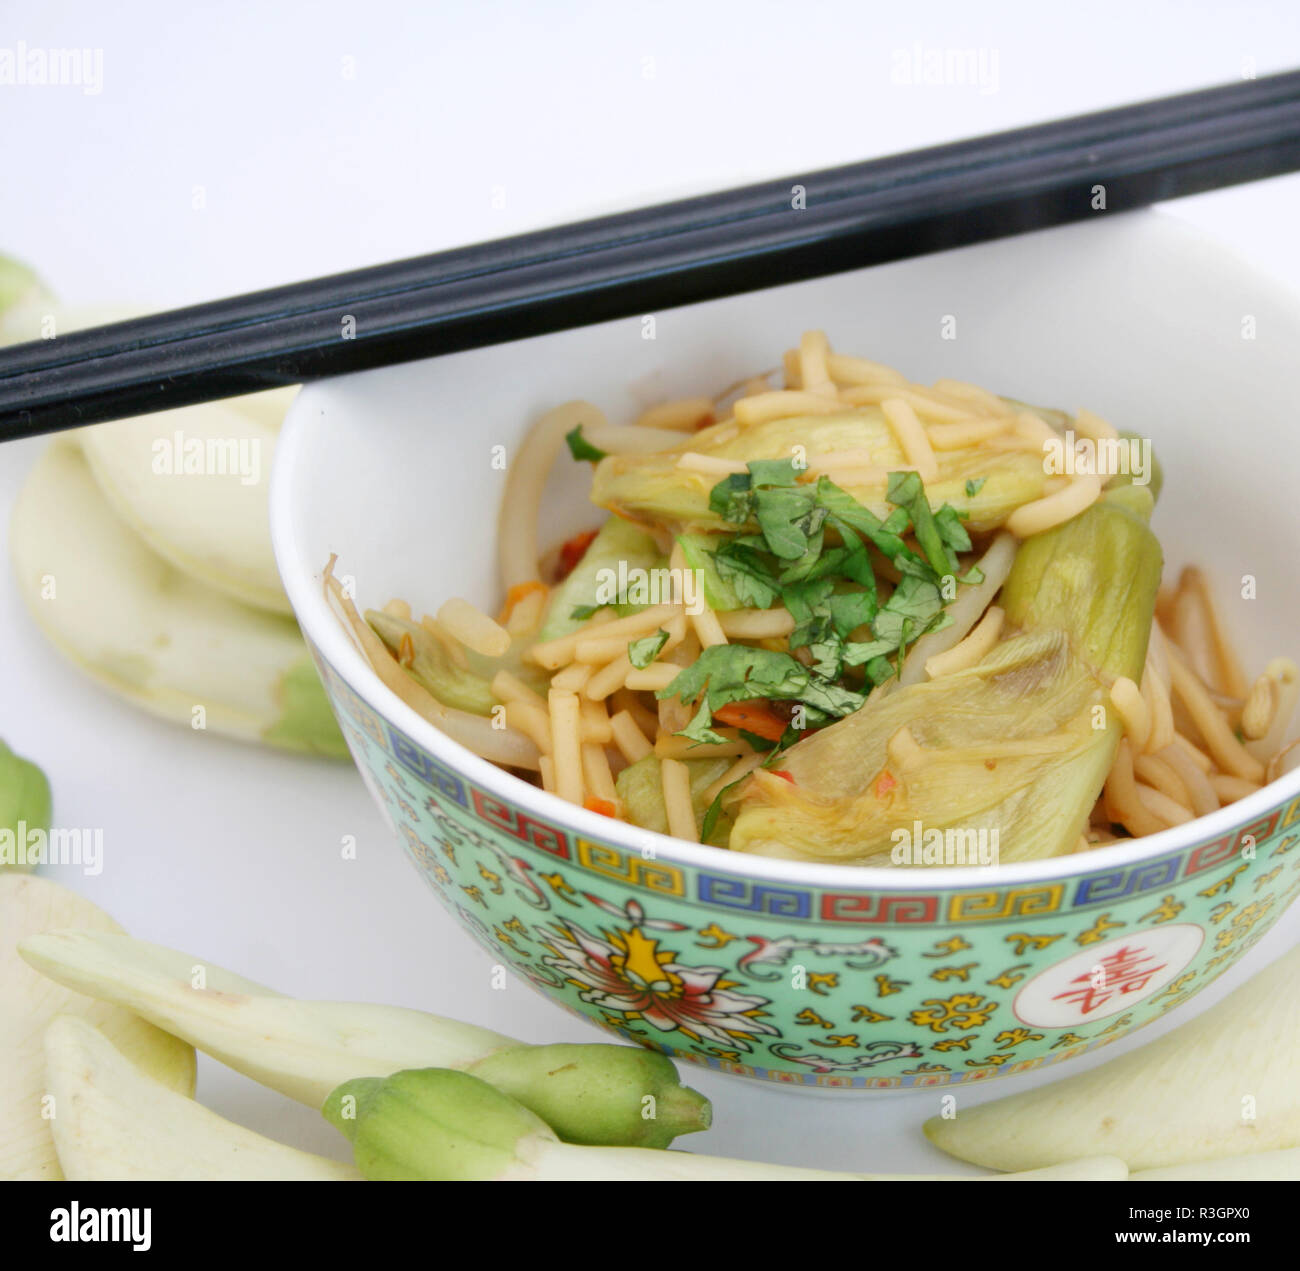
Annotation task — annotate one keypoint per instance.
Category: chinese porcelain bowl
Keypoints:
(820, 975)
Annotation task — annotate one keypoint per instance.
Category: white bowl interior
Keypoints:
(1138, 317)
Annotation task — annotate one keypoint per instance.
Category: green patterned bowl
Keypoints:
(818, 975)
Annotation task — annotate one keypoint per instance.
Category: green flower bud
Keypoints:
(432, 1125)
(599, 1095)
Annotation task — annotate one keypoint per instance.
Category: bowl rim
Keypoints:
(328, 635)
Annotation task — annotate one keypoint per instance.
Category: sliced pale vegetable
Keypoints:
(617, 545)
(1224, 1084)
(433, 1125)
(590, 1093)
(193, 484)
(28, 1001)
(113, 1122)
(640, 787)
(1258, 1167)
(653, 488)
(24, 807)
(1011, 744)
(150, 633)
(431, 664)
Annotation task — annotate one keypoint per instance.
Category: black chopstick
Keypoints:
(658, 257)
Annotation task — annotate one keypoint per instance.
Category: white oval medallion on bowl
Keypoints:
(1106, 979)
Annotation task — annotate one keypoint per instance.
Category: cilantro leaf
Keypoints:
(804, 599)
(851, 609)
(581, 448)
(733, 498)
(644, 651)
(698, 729)
(770, 472)
(949, 524)
(581, 613)
(907, 493)
(974, 486)
(735, 672)
(743, 569)
(789, 518)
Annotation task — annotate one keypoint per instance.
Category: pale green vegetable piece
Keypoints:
(193, 483)
(616, 542)
(1011, 746)
(1282, 1165)
(1224, 1084)
(132, 621)
(652, 488)
(113, 1122)
(433, 1125)
(28, 1001)
(640, 787)
(24, 806)
(432, 665)
(590, 1093)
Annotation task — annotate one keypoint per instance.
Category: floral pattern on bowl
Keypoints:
(902, 985)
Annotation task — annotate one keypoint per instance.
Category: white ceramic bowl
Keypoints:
(691, 949)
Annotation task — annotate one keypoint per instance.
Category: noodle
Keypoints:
(971, 650)
(858, 370)
(676, 779)
(781, 404)
(630, 740)
(685, 414)
(625, 700)
(907, 429)
(1132, 708)
(1224, 747)
(525, 479)
(1042, 514)
(652, 678)
(813, 372)
(1123, 804)
(1286, 675)
(1204, 798)
(756, 624)
(594, 721)
(473, 628)
(965, 611)
(566, 744)
(597, 774)
(968, 432)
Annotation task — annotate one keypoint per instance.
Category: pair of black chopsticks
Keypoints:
(677, 253)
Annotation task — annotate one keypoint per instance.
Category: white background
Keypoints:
(320, 137)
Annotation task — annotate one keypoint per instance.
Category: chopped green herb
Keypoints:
(582, 612)
(733, 498)
(744, 569)
(581, 448)
(644, 651)
(698, 729)
(974, 485)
